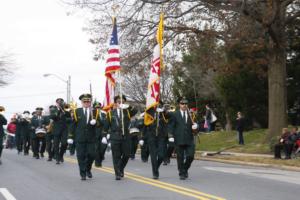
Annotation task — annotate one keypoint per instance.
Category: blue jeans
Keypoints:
(240, 137)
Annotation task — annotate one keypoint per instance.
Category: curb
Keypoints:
(281, 167)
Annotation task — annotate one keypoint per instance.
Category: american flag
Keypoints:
(112, 66)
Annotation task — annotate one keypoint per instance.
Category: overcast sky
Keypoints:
(45, 39)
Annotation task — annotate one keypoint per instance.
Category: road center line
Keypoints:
(7, 195)
(163, 185)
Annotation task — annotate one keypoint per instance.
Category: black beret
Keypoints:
(85, 97)
(97, 104)
(59, 99)
(39, 108)
(118, 97)
(26, 111)
(182, 100)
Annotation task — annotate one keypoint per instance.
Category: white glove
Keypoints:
(159, 110)
(281, 140)
(108, 136)
(171, 139)
(93, 122)
(124, 106)
(109, 145)
(141, 142)
(195, 126)
(104, 140)
(70, 141)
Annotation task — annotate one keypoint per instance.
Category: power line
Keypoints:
(32, 95)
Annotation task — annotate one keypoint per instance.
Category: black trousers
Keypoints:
(19, 142)
(185, 157)
(60, 145)
(134, 145)
(145, 151)
(1, 145)
(85, 157)
(39, 145)
(170, 150)
(100, 151)
(121, 152)
(49, 145)
(26, 143)
(158, 149)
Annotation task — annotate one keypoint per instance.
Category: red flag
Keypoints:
(112, 66)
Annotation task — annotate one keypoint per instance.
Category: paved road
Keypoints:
(26, 178)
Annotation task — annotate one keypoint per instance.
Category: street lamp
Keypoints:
(68, 82)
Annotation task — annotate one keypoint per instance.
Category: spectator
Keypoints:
(240, 127)
(11, 129)
(292, 141)
(282, 144)
(208, 119)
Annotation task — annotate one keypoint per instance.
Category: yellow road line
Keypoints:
(167, 186)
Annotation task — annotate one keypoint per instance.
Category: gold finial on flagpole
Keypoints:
(114, 7)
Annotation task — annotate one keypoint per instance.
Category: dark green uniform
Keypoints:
(49, 139)
(181, 129)
(85, 137)
(38, 122)
(3, 122)
(61, 119)
(120, 142)
(25, 132)
(18, 135)
(100, 147)
(156, 135)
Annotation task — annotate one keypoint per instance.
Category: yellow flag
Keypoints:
(159, 37)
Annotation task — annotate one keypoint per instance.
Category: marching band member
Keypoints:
(119, 120)
(60, 119)
(101, 140)
(38, 123)
(85, 135)
(180, 130)
(25, 131)
(156, 134)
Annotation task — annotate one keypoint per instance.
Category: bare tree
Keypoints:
(5, 68)
(184, 19)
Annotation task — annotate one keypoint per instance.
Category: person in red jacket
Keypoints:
(11, 129)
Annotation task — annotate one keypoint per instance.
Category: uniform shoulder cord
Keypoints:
(165, 120)
(75, 115)
(128, 113)
(109, 115)
(97, 114)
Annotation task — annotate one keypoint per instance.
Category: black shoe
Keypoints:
(155, 176)
(37, 157)
(83, 178)
(49, 159)
(186, 175)
(145, 160)
(182, 177)
(57, 162)
(62, 159)
(89, 174)
(165, 163)
(118, 177)
(122, 173)
(42, 155)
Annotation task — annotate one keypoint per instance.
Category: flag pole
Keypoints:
(121, 96)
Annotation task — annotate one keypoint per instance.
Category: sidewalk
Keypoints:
(237, 158)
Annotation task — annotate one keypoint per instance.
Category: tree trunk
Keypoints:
(277, 80)
(228, 126)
